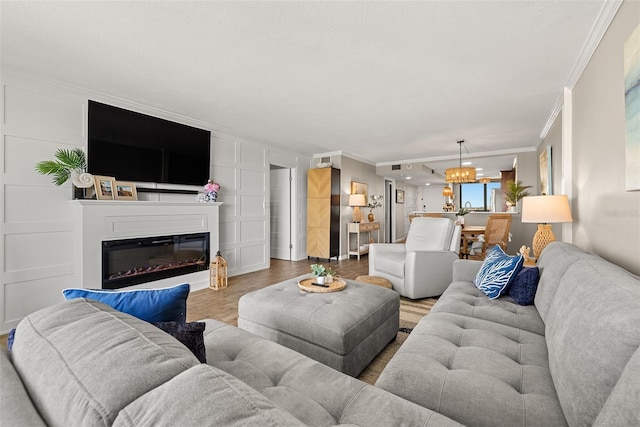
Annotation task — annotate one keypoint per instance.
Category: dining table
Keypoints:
(469, 234)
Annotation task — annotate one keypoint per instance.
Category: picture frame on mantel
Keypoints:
(400, 197)
(125, 191)
(104, 186)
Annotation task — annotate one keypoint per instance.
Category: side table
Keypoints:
(361, 227)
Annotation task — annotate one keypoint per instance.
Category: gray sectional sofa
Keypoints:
(570, 359)
(81, 363)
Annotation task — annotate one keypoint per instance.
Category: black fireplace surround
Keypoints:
(134, 261)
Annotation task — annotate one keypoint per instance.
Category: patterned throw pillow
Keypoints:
(151, 305)
(189, 334)
(523, 289)
(498, 272)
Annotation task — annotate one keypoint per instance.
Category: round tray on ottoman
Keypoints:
(335, 286)
(375, 280)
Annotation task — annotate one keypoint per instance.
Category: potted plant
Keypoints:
(320, 272)
(330, 275)
(460, 214)
(69, 164)
(514, 192)
(374, 202)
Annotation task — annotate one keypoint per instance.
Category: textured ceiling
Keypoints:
(383, 81)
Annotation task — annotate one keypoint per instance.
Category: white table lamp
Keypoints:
(545, 210)
(357, 200)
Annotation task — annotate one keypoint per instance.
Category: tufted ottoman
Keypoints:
(344, 330)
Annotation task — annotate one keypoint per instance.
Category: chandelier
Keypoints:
(460, 174)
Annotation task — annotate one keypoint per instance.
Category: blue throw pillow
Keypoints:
(152, 305)
(523, 289)
(11, 338)
(498, 272)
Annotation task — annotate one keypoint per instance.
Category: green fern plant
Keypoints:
(515, 191)
(67, 161)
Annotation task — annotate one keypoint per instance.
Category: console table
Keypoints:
(361, 227)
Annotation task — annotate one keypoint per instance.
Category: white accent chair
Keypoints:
(423, 266)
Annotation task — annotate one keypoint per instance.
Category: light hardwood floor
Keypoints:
(223, 304)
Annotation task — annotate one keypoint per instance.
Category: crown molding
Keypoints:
(600, 26)
(457, 156)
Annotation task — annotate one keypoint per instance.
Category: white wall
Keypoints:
(402, 215)
(36, 226)
(553, 139)
(431, 198)
(606, 217)
(355, 170)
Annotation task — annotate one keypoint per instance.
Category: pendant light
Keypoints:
(460, 175)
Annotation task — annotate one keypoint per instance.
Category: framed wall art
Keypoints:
(104, 187)
(400, 196)
(360, 188)
(632, 110)
(546, 178)
(125, 191)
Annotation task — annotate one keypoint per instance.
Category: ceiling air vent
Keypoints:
(395, 167)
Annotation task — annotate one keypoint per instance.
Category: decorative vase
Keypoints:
(82, 193)
(320, 280)
(371, 217)
(328, 279)
(460, 220)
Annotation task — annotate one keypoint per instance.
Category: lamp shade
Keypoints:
(546, 209)
(357, 200)
(460, 175)
(447, 192)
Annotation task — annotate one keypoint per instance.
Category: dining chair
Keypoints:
(496, 233)
(427, 215)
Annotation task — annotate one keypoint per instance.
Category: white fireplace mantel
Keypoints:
(101, 220)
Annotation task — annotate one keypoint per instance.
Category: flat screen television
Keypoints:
(131, 146)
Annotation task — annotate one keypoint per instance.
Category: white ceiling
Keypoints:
(382, 81)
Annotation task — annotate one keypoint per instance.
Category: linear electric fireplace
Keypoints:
(134, 261)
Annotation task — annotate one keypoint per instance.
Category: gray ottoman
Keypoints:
(344, 330)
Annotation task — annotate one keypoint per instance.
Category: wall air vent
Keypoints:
(396, 167)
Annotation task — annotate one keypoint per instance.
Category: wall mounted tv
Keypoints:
(132, 146)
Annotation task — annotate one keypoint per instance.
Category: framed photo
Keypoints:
(125, 191)
(104, 187)
(546, 179)
(400, 196)
(360, 188)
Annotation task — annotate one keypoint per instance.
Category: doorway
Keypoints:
(388, 215)
(280, 212)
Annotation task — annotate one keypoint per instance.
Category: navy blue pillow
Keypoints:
(189, 334)
(498, 272)
(523, 289)
(152, 305)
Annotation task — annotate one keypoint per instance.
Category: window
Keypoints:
(478, 195)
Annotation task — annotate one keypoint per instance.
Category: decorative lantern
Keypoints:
(218, 272)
